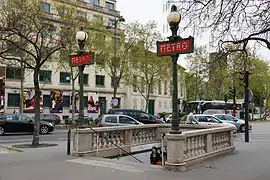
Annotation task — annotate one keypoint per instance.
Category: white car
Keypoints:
(212, 120)
(107, 120)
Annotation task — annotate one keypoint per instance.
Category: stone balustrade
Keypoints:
(194, 144)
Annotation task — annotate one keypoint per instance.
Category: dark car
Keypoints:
(52, 118)
(87, 119)
(139, 115)
(14, 123)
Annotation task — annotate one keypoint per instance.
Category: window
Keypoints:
(85, 79)
(201, 119)
(159, 87)
(212, 119)
(47, 101)
(23, 118)
(143, 116)
(45, 76)
(95, 2)
(8, 117)
(100, 80)
(66, 101)
(134, 83)
(13, 73)
(13, 100)
(64, 78)
(111, 119)
(45, 7)
(117, 81)
(126, 120)
(109, 5)
(165, 88)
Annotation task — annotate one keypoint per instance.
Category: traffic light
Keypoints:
(244, 78)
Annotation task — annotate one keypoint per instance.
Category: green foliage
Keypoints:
(146, 69)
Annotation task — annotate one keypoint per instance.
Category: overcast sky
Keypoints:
(152, 10)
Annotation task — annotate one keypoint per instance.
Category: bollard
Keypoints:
(68, 141)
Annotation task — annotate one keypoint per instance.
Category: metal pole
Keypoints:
(114, 60)
(246, 109)
(81, 112)
(68, 141)
(175, 117)
(81, 69)
(234, 101)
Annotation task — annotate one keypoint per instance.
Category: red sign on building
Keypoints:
(182, 46)
(76, 60)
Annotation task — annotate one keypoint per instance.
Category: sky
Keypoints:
(152, 10)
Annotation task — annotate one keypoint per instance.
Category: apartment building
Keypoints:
(55, 83)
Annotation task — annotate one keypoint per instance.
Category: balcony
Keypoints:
(92, 7)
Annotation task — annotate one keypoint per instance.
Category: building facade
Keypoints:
(55, 80)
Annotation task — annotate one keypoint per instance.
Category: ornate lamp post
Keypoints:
(81, 37)
(174, 19)
(114, 25)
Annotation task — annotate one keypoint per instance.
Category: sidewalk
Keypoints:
(251, 161)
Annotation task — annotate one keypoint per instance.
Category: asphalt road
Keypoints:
(249, 162)
(57, 135)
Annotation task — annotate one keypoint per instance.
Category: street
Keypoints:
(57, 135)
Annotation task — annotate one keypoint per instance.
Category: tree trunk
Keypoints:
(35, 141)
(22, 88)
(147, 98)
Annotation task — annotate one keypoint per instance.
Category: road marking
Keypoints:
(121, 167)
(15, 140)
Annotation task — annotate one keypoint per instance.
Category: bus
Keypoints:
(212, 107)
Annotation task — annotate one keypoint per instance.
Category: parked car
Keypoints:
(240, 124)
(87, 119)
(14, 123)
(106, 120)
(52, 118)
(202, 119)
(139, 115)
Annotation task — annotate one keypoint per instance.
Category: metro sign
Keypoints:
(181, 46)
(76, 60)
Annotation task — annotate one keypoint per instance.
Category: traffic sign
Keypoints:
(115, 102)
(76, 60)
(180, 46)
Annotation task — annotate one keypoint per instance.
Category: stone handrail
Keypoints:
(197, 145)
(198, 140)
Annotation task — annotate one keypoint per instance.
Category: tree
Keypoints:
(146, 69)
(25, 21)
(105, 54)
(236, 22)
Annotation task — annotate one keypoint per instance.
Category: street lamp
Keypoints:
(120, 19)
(81, 37)
(174, 19)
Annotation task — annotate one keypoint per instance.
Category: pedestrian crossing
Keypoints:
(105, 164)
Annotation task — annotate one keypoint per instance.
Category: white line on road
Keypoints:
(122, 167)
(15, 140)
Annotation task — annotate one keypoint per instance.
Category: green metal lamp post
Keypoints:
(81, 37)
(114, 26)
(174, 19)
